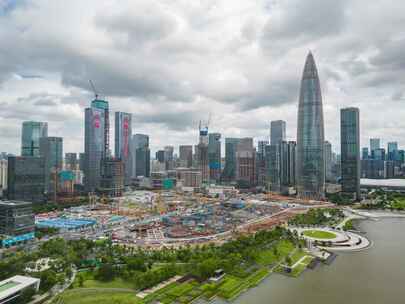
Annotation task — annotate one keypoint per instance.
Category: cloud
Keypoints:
(171, 63)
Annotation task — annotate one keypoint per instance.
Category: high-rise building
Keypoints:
(202, 154)
(160, 156)
(3, 175)
(51, 150)
(82, 161)
(261, 171)
(273, 168)
(310, 135)
(96, 142)
(378, 154)
(292, 146)
(277, 132)
(392, 151)
(214, 156)
(71, 161)
(350, 151)
(245, 163)
(141, 155)
(169, 157)
(186, 155)
(26, 178)
(364, 153)
(123, 135)
(32, 131)
(374, 144)
(328, 161)
(111, 177)
(229, 172)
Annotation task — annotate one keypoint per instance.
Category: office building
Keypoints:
(350, 151)
(245, 163)
(82, 161)
(277, 132)
(364, 153)
(374, 144)
(378, 154)
(96, 142)
(3, 175)
(201, 151)
(328, 162)
(229, 173)
(51, 150)
(71, 161)
(214, 156)
(169, 157)
(32, 131)
(273, 168)
(16, 218)
(392, 151)
(310, 136)
(186, 156)
(192, 179)
(112, 177)
(141, 155)
(12, 288)
(261, 172)
(26, 178)
(123, 135)
(292, 146)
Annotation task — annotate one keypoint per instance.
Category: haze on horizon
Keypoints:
(171, 63)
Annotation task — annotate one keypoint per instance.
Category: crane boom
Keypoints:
(94, 89)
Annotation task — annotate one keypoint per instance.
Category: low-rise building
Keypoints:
(12, 288)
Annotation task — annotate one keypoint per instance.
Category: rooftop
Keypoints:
(383, 182)
(15, 203)
(15, 284)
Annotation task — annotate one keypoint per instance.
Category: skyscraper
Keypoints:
(245, 163)
(392, 151)
(273, 168)
(374, 144)
(123, 135)
(229, 172)
(214, 156)
(141, 155)
(261, 162)
(51, 150)
(32, 131)
(364, 153)
(96, 142)
(350, 150)
(202, 153)
(277, 131)
(310, 135)
(186, 155)
(328, 161)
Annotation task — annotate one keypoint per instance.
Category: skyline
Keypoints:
(244, 75)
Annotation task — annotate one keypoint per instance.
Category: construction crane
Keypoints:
(94, 89)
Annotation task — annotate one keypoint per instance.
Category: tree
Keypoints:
(80, 280)
(105, 272)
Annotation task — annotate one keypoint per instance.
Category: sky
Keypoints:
(172, 63)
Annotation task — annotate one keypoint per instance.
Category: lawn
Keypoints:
(90, 282)
(320, 234)
(83, 296)
(267, 257)
(296, 256)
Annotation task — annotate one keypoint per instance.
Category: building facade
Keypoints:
(123, 135)
(112, 177)
(96, 142)
(26, 178)
(51, 150)
(141, 155)
(245, 163)
(32, 131)
(16, 218)
(3, 175)
(71, 161)
(186, 156)
(229, 173)
(277, 131)
(350, 151)
(214, 156)
(310, 135)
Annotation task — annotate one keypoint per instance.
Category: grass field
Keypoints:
(83, 296)
(319, 234)
(267, 257)
(90, 282)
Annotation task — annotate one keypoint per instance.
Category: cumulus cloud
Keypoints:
(171, 63)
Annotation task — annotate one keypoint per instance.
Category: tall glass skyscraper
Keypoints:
(51, 150)
(310, 135)
(350, 151)
(277, 131)
(123, 135)
(32, 131)
(214, 156)
(140, 155)
(229, 172)
(96, 139)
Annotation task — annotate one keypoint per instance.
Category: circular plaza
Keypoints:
(332, 239)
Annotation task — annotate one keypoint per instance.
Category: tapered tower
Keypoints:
(310, 136)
